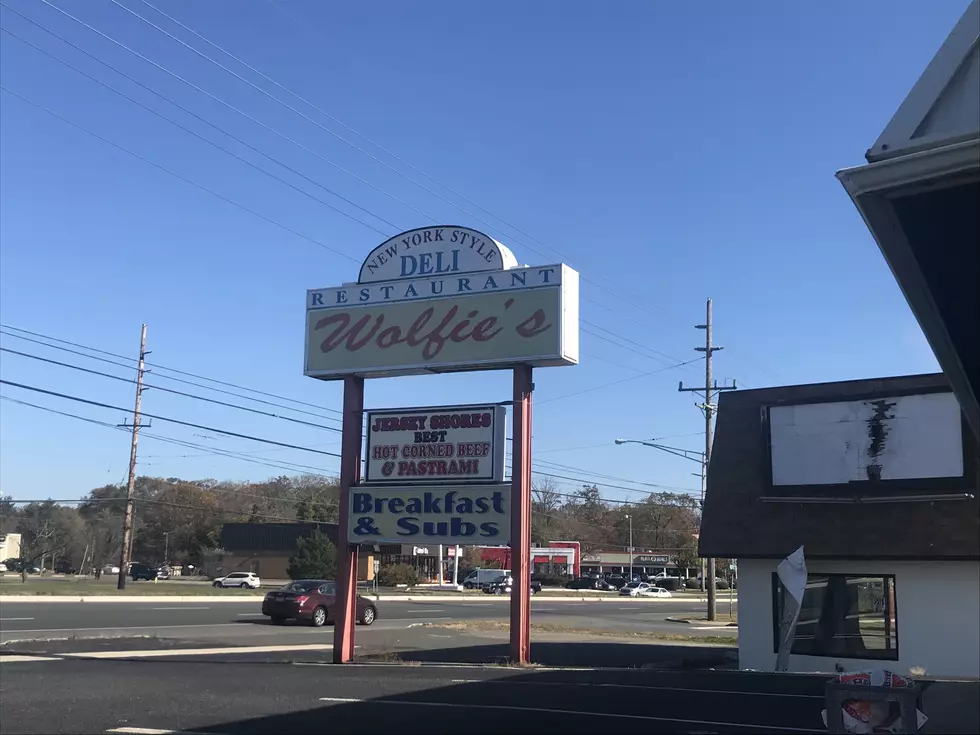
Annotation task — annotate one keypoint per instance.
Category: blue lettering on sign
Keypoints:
(423, 265)
(366, 506)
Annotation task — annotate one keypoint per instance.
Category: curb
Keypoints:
(13, 599)
(700, 623)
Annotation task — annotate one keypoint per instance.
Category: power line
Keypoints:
(206, 122)
(171, 390)
(165, 418)
(616, 382)
(172, 370)
(193, 183)
(281, 465)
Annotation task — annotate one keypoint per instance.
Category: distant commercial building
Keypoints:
(562, 558)
(9, 546)
(265, 548)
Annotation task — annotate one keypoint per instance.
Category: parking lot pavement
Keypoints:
(243, 697)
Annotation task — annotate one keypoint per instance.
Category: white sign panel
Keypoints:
(442, 299)
(441, 250)
(435, 445)
(899, 438)
(427, 515)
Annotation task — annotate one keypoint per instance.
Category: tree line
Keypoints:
(179, 521)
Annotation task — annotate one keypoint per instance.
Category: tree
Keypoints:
(315, 558)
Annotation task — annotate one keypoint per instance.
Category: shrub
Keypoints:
(396, 574)
(668, 583)
(315, 558)
(721, 584)
(692, 584)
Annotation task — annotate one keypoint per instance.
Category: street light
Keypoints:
(630, 519)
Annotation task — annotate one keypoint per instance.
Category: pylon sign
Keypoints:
(442, 299)
(432, 300)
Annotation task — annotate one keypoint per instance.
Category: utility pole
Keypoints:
(126, 554)
(708, 408)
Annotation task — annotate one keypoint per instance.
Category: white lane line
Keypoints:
(200, 651)
(153, 731)
(130, 627)
(250, 615)
(5, 659)
(578, 713)
(543, 609)
(180, 608)
(638, 686)
(10, 620)
(427, 610)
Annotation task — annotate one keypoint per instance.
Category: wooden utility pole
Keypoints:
(126, 552)
(709, 409)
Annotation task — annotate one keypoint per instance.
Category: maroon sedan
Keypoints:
(312, 600)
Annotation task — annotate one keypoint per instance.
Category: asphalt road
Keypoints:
(236, 697)
(237, 620)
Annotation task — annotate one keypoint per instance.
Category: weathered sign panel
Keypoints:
(462, 514)
(435, 445)
(442, 299)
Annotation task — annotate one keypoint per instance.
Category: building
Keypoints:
(562, 558)
(9, 546)
(424, 558)
(265, 548)
(918, 195)
(650, 562)
(877, 481)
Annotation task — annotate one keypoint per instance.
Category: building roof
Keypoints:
(271, 536)
(744, 517)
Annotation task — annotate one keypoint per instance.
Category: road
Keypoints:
(235, 620)
(237, 697)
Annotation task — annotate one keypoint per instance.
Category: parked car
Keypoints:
(3, 567)
(313, 601)
(245, 580)
(589, 583)
(480, 578)
(504, 583)
(643, 589)
(138, 571)
(64, 567)
(616, 581)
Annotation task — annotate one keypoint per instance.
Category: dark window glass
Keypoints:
(328, 588)
(301, 586)
(843, 615)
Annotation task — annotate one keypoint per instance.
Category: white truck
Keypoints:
(480, 578)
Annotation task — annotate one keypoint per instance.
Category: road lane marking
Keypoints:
(153, 731)
(10, 659)
(578, 713)
(637, 686)
(11, 620)
(426, 610)
(180, 608)
(250, 615)
(201, 651)
(543, 609)
(129, 627)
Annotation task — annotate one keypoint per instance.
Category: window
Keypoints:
(327, 588)
(843, 615)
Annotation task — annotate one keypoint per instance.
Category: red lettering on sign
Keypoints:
(450, 327)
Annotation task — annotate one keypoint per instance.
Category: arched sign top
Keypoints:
(434, 251)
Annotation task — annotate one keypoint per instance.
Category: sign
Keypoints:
(435, 251)
(377, 566)
(413, 550)
(442, 299)
(652, 560)
(435, 445)
(424, 516)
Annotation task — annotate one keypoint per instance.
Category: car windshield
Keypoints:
(300, 586)
(633, 584)
(501, 578)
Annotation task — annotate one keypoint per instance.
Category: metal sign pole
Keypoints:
(520, 536)
(350, 475)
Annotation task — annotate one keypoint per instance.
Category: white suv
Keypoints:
(245, 580)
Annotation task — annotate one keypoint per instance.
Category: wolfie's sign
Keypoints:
(442, 299)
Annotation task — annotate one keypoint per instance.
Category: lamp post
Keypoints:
(630, 519)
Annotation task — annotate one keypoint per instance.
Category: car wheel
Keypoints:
(278, 620)
(216, 584)
(368, 616)
(244, 585)
(319, 618)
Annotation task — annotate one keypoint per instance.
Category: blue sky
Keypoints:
(669, 151)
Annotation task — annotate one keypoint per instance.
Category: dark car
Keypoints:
(313, 601)
(616, 581)
(589, 583)
(505, 583)
(138, 571)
